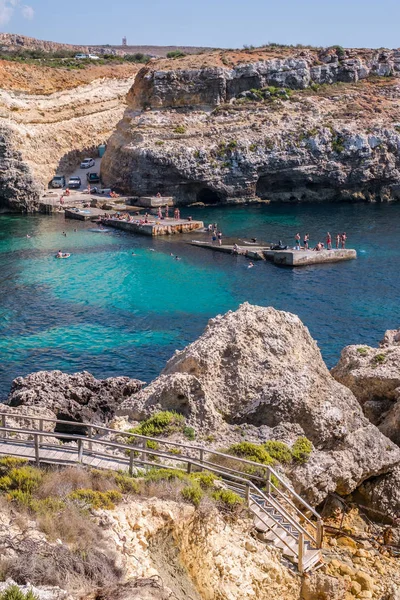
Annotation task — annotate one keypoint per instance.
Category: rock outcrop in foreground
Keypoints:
(260, 367)
(273, 124)
(79, 397)
(373, 375)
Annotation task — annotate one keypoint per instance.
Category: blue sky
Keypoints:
(216, 23)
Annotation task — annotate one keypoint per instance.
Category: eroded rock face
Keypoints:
(383, 493)
(216, 134)
(18, 189)
(373, 375)
(79, 397)
(260, 366)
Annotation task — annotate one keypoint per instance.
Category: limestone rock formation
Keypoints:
(260, 366)
(373, 375)
(18, 189)
(383, 493)
(278, 128)
(76, 398)
(48, 119)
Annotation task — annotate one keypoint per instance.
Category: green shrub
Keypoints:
(159, 142)
(279, 451)
(190, 433)
(228, 499)
(232, 145)
(162, 423)
(180, 129)
(11, 462)
(379, 359)
(253, 147)
(97, 500)
(46, 506)
(22, 499)
(362, 351)
(175, 54)
(204, 479)
(152, 445)
(14, 593)
(250, 451)
(24, 478)
(126, 484)
(193, 494)
(338, 144)
(340, 51)
(165, 475)
(302, 449)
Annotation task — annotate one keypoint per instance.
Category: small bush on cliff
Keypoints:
(302, 449)
(180, 129)
(362, 351)
(175, 54)
(11, 462)
(26, 479)
(14, 593)
(228, 499)
(278, 451)
(95, 499)
(379, 359)
(250, 451)
(163, 423)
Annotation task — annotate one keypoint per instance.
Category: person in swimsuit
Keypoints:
(343, 238)
(337, 241)
(329, 241)
(297, 241)
(306, 239)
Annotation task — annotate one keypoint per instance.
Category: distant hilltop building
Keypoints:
(124, 41)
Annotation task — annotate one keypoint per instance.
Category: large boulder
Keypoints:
(373, 375)
(78, 398)
(260, 366)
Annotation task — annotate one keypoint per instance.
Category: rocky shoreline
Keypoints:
(253, 376)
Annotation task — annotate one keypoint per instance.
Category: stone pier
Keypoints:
(155, 227)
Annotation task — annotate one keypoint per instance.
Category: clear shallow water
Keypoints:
(115, 313)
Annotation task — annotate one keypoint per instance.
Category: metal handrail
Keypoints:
(221, 470)
(267, 468)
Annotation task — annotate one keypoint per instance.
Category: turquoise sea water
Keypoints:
(121, 304)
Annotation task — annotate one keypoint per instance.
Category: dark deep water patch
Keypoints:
(118, 308)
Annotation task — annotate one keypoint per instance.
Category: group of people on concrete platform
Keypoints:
(216, 233)
(340, 240)
(164, 214)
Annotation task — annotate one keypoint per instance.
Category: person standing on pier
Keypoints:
(219, 236)
(328, 241)
(306, 240)
(337, 240)
(297, 241)
(344, 238)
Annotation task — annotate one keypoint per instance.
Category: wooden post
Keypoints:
(268, 484)
(90, 435)
(4, 424)
(80, 450)
(320, 533)
(41, 429)
(201, 456)
(301, 552)
(247, 495)
(189, 467)
(37, 449)
(144, 453)
(131, 462)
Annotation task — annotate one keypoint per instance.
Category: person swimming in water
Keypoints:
(250, 265)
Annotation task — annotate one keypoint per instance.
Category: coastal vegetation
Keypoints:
(14, 593)
(65, 59)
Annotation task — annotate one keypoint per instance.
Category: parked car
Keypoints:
(58, 181)
(93, 57)
(93, 178)
(87, 163)
(74, 183)
(81, 56)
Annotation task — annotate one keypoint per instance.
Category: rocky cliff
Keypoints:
(48, 118)
(373, 375)
(272, 124)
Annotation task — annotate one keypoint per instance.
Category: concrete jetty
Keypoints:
(154, 227)
(289, 258)
(90, 213)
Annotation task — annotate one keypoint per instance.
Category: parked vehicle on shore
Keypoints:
(74, 183)
(58, 181)
(93, 178)
(87, 163)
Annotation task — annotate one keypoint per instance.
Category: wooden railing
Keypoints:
(278, 495)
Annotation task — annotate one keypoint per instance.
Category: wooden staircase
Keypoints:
(280, 516)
